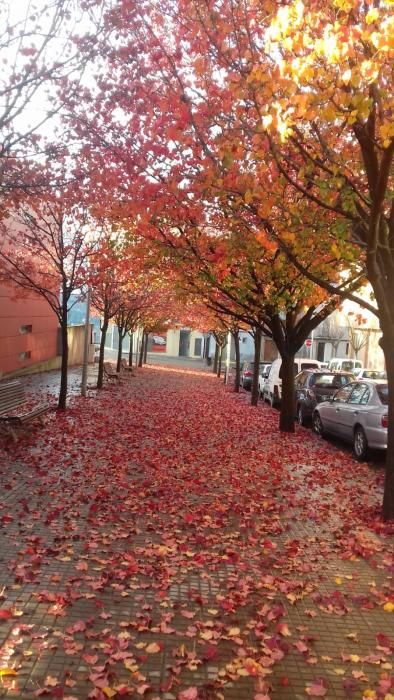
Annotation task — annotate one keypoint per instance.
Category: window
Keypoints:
(365, 397)
(335, 381)
(26, 355)
(373, 374)
(300, 380)
(357, 393)
(347, 365)
(343, 394)
(383, 393)
(26, 329)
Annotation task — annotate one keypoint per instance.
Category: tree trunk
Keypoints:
(216, 359)
(141, 357)
(219, 372)
(62, 402)
(146, 347)
(387, 344)
(131, 351)
(237, 380)
(287, 409)
(100, 375)
(255, 381)
(120, 345)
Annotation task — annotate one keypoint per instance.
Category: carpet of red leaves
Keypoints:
(161, 539)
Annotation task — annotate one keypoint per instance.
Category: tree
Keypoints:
(41, 53)
(258, 287)
(45, 247)
(333, 332)
(284, 119)
(105, 279)
(358, 337)
(126, 319)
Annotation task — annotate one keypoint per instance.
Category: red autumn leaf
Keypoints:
(316, 689)
(5, 614)
(188, 694)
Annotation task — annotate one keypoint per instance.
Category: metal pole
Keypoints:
(137, 346)
(86, 346)
(228, 356)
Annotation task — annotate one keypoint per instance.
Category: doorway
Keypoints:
(184, 343)
(197, 347)
(320, 351)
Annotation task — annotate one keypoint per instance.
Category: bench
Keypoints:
(110, 372)
(14, 410)
(124, 367)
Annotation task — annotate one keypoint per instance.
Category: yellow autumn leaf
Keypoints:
(234, 632)
(109, 692)
(130, 666)
(7, 672)
(207, 634)
(153, 648)
(388, 607)
(338, 580)
(372, 15)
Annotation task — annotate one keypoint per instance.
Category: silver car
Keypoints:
(358, 413)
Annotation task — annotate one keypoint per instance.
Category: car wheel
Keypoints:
(317, 424)
(300, 415)
(360, 444)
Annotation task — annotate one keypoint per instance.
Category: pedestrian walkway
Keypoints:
(161, 539)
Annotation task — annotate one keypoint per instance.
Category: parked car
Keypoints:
(272, 389)
(313, 386)
(358, 413)
(247, 373)
(344, 364)
(369, 374)
(263, 376)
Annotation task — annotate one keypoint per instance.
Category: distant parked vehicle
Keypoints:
(272, 389)
(263, 375)
(313, 386)
(358, 413)
(247, 373)
(344, 364)
(369, 374)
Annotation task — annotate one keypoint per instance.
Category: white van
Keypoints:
(272, 389)
(344, 364)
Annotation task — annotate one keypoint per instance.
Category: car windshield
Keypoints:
(334, 381)
(307, 365)
(383, 393)
(347, 366)
(373, 374)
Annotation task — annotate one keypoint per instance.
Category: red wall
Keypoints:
(17, 312)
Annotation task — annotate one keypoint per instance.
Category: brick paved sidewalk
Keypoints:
(162, 540)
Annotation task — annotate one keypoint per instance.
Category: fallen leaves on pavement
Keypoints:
(166, 526)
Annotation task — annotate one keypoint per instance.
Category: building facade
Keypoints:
(28, 331)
